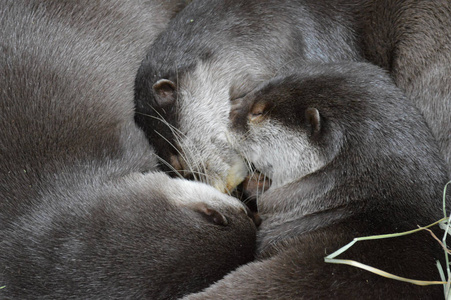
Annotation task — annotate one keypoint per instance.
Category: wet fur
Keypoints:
(83, 214)
(379, 171)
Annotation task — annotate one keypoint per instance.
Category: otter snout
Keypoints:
(224, 174)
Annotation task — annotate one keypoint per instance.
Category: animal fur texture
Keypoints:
(83, 212)
(378, 170)
(216, 51)
(412, 40)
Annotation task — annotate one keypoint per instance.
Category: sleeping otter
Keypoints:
(348, 156)
(215, 50)
(218, 50)
(83, 212)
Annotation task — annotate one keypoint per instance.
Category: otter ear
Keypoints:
(313, 120)
(258, 111)
(165, 92)
(210, 214)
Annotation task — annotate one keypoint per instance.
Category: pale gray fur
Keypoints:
(204, 95)
(378, 170)
(266, 156)
(217, 50)
(381, 31)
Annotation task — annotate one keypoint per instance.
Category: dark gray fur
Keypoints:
(260, 39)
(381, 173)
(412, 40)
(242, 43)
(82, 212)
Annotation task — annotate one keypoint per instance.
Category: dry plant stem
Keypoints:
(439, 241)
(447, 288)
(331, 258)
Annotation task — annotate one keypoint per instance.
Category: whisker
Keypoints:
(169, 166)
(196, 172)
(193, 151)
(189, 163)
(263, 187)
(177, 136)
(178, 172)
(176, 149)
(247, 200)
(188, 158)
(265, 179)
(160, 118)
(250, 168)
(189, 148)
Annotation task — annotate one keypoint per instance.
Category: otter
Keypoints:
(216, 51)
(412, 40)
(348, 155)
(84, 212)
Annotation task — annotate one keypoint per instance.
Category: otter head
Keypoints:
(285, 127)
(293, 125)
(186, 117)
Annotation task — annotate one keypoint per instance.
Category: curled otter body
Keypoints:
(348, 156)
(215, 51)
(83, 211)
(412, 40)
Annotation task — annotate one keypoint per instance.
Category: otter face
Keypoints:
(192, 122)
(276, 134)
(202, 151)
(210, 48)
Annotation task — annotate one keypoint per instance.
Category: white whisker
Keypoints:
(178, 151)
(169, 166)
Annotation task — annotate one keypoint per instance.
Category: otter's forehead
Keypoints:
(205, 92)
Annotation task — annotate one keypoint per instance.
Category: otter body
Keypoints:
(83, 212)
(412, 40)
(348, 156)
(216, 51)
